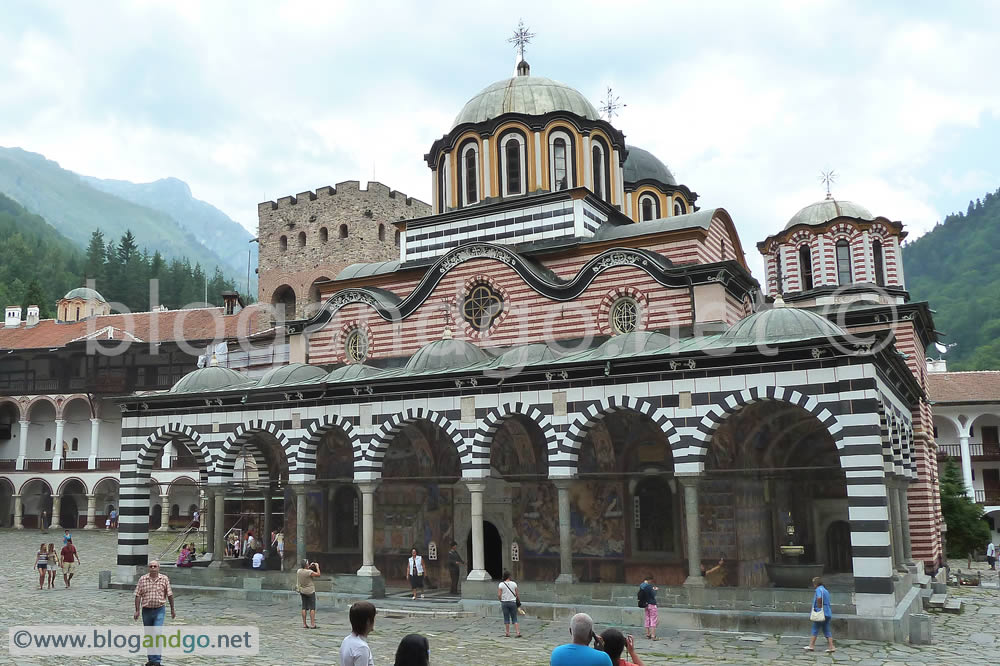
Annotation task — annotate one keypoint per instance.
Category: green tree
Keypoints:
(967, 531)
(93, 267)
(34, 295)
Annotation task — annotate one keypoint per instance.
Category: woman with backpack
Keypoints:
(647, 601)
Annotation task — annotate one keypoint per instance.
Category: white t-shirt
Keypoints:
(990, 549)
(257, 560)
(415, 567)
(508, 594)
(354, 651)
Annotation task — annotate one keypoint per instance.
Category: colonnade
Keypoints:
(56, 505)
(57, 444)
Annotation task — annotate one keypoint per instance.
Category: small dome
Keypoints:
(783, 323)
(447, 353)
(643, 165)
(636, 342)
(85, 293)
(209, 379)
(293, 373)
(822, 212)
(352, 372)
(522, 355)
(530, 95)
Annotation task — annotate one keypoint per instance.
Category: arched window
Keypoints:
(324, 235)
(342, 231)
(302, 239)
(843, 262)
(381, 232)
(512, 168)
(806, 267)
(879, 267)
(679, 207)
(599, 164)
(283, 243)
(48, 443)
(442, 174)
(75, 445)
(560, 161)
(470, 173)
(78, 313)
(649, 207)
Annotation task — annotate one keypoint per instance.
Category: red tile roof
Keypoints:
(195, 325)
(981, 386)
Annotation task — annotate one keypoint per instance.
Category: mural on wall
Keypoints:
(596, 519)
(536, 519)
(408, 515)
(315, 519)
(291, 526)
(334, 457)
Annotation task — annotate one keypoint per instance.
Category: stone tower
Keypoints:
(311, 237)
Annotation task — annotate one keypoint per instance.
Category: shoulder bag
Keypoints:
(517, 599)
(817, 614)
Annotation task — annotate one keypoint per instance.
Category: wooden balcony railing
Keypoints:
(976, 450)
(38, 464)
(989, 497)
(950, 450)
(109, 463)
(8, 465)
(75, 463)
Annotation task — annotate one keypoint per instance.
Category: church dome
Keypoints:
(783, 323)
(636, 342)
(209, 379)
(84, 293)
(643, 165)
(351, 373)
(293, 373)
(530, 95)
(822, 212)
(447, 353)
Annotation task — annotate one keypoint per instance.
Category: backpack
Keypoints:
(641, 596)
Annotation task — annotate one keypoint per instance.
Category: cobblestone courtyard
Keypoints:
(966, 638)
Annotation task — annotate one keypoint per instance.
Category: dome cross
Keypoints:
(522, 37)
(609, 109)
(828, 178)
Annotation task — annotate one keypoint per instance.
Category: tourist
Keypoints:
(114, 518)
(281, 550)
(647, 601)
(66, 537)
(304, 585)
(53, 563)
(413, 650)
(195, 520)
(152, 592)
(821, 601)
(43, 522)
(184, 558)
(257, 561)
(991, 555)
(107, 523)
(354, 650)
(454, 559)
(579, 652)
(415, 573)
(509, 601)
(42, 563)
(615, 643)
(70, 561)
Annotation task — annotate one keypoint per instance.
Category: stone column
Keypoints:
(693, 524)
(266, 532)
(166, 459)
(897, 524)
(368, 529)
(478, 572)
(164, 513)
(18, 525)
(91, 512)
(95, 441)
(300, 524)
(22, 446)
(56, 506)
(208, 519)
(219, 526)
(904, 514)
(57, 444)
(565, 538)
(963, 442)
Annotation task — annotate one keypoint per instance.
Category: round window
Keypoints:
(624, 315)
(482, 306)
(356, 346)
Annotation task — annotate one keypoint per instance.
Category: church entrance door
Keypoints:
(838, 547)
(492, 550)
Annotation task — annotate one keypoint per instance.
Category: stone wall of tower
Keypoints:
(312, 225)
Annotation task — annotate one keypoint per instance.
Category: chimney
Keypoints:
(12, 317)
(232, 302)
(32, 316)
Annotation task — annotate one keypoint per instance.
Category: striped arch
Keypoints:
(305, 460)
(379, 443)
(562, 462)
(146, 457)
(479, 452)
(885, 431)
(225, 460)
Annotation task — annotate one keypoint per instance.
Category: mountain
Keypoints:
(75, 208)
(213, 228)
(956, 268)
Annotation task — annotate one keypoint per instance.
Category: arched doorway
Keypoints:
(6, 503)
(155, 517)
(283, 301)
(72, 504)
(838, 547)
(346, 511)
(492, 550)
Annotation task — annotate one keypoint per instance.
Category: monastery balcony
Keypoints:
(109, 463)
(989, 497)
(38, 464)
(987, 451)
(75, 463)
(8, 464)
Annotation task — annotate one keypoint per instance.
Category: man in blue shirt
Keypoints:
(579, 653)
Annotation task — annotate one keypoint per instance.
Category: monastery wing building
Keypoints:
(564, 365)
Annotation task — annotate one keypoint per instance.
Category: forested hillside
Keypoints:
(956, 267)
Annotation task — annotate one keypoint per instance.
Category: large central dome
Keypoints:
(530, 95)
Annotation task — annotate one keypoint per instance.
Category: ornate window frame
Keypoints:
(470, 145)
(519, 138)
(622, 294)
(654, 206)
(481, 299)
(554, 136)
(599, 164)
(356, 346)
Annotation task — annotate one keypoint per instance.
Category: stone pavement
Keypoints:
(959, 639)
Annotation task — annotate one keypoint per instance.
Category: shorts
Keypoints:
(652, 616)
(42, 566)
(509, 611)
(69, 567)
(824, 625)
(417, 582)
(308, 601)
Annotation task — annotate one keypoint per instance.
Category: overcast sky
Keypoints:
(746, 102)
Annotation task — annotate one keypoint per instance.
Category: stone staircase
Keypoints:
(934, 592)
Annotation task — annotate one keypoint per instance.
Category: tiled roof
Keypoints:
(982, 386)
(195, 325)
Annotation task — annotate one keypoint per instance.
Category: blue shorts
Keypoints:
(824, 625)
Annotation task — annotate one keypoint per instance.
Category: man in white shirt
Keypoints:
(354, 650)
(258, 560)
(991, 555)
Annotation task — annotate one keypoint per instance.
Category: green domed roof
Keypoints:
(86, 294)
(642, 165)
(636, 342)
(515, 357)
(209, 379)
(352, 372)
(530, 95)
(293, 373)
(783, 323)
(826, 210)
(447, 353)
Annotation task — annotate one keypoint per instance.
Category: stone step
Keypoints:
(937, 601)
(953, 606)
(923, 580)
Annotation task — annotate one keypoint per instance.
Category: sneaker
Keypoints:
(829, 650)
(808, 648)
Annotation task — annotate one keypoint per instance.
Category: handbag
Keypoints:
(817, 614)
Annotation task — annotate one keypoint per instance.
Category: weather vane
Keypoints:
(828, 178)
(521, 38)
(611, 105)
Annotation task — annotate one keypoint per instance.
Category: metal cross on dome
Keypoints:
(828, 178)
(521, 38)
(611, 105)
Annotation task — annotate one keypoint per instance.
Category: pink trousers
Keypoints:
(652, 616)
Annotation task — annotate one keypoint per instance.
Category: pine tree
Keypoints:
(34, 295)
(967, 531)
(94, 265)
(126, 247)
